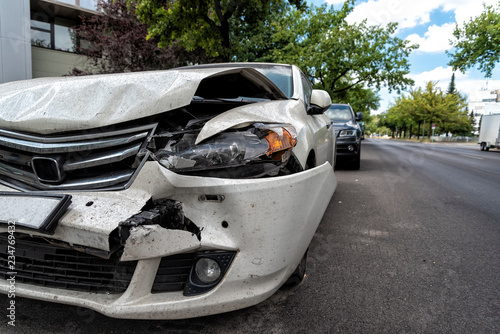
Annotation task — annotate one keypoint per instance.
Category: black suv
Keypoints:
(348, 133)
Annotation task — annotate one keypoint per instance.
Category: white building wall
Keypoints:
(15, 44)
(483, 102)
(492, 108)
(479, 99)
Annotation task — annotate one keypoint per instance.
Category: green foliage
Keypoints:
(208, 24)
(254, 41)
(447, 111)
(452, 89)
(339, 56)
(361, 99)
(350, 61)
(114, 41)
(472, 119)
(478, 42)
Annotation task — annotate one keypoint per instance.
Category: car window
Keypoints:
(306, 85)
(340, 113)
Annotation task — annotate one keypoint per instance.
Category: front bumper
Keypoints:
(347, 148)
(268, 222)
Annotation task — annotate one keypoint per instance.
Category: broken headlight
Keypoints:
(256, 151)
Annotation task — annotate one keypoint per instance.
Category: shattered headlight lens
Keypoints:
(261, 143)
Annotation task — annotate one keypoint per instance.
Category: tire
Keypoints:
(356, 164)
(310, 161)
(298, 275)
(483, 146)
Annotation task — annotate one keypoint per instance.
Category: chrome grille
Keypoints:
(83, 161)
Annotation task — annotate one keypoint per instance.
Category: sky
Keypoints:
(429, 23)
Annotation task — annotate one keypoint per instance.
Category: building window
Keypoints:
(64, 35)
(69, 2)
(54, 33)
(87, 4)
(90, 4)
(41, 33)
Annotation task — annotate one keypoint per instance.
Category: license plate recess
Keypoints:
(33, 211)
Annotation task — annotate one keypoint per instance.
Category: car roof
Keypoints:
(219, 65)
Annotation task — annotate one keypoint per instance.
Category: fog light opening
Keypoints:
(350, 148)
(207, 270)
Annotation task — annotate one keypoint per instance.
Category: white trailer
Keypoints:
(489, 135)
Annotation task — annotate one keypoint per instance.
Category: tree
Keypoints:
(478, 42)
(452, 89)
(457, 120)
(403, 115)
(204, 24)
(475, 123)
(430, 105)
(254, 41)
(338, 56)
(361, 99)
(115, 41)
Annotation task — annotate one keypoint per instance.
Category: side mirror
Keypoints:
(359, 116)
(320, 101)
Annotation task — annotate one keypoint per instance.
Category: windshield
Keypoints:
(281, 76)
(339, 113)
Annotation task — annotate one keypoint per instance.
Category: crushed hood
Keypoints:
(51, 105)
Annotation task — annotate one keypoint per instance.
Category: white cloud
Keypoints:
(407, 13)
(441, 74)
(334, 2)
(469, 9)
(463, 82)
(467, 85)
(436, 39)
(410, 14)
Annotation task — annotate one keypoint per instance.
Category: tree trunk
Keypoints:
(224, 31)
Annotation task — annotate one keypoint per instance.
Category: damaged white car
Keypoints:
(164, 194)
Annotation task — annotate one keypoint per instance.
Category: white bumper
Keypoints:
(269, 222)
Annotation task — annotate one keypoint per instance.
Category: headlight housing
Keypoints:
(261, 149)
(347, 133)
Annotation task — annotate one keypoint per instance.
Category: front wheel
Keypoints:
(356, 163)
(298, 275)
(483, 146)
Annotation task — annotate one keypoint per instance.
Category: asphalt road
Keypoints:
(409, 244)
